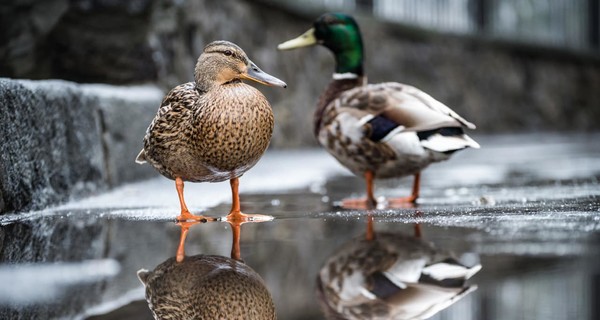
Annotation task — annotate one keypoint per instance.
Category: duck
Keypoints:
(207, 286)
(377, 131)
(391, 276)
(214, 128)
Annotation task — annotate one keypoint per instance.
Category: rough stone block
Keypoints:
(60, 140)
(50, 143)
(124, 114)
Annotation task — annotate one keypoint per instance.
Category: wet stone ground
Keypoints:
(526, 208)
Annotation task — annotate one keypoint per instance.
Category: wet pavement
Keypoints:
(524, 207)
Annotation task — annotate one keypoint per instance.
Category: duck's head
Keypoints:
(223, 62)
(339, 33)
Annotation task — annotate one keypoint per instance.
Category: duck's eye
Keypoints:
(228, 53)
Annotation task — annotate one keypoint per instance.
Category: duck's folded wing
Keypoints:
(179, 100)
(407, 106)
(421, 105)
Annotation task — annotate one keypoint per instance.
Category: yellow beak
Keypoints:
(306, 39)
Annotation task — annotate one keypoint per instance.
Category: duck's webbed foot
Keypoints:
(185, 214)
(369, 202)
(409, 201)
(236, 214)
(359, 203)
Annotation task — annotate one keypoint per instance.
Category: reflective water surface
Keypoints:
(521, 245)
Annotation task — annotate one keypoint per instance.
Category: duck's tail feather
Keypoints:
(141, 157)
(446, 140)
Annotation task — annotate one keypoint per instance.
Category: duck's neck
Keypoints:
(349, 60)
(204, 83)
(207, 74)
(336, 87)
(349, 73)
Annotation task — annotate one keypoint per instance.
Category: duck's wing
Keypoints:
(405, 105)
(389, 108)
(448, 272)
(179, 100)
(439, 285)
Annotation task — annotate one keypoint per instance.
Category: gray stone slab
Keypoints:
(60, 140)
(50, 146)
(124, 114)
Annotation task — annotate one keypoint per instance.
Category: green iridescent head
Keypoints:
(340, 34)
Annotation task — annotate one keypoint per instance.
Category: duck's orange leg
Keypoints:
(418, 232)
(236, 231)
(236, 214)
(185, 213)
(410, 200)
(363, 203)
(185, 227)
(370, 235)
(235, 245)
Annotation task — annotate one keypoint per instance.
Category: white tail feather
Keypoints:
(141, 157)
(440, 143)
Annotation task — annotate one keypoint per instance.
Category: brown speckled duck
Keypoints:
(207, 286)
(215, 128)
(383, 130)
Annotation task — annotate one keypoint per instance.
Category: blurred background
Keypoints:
(506, 65)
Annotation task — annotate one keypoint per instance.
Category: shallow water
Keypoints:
(531, 222)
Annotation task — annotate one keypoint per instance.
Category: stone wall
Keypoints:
(82, 40)
(59, 139)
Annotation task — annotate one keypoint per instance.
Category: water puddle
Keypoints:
(495, 251)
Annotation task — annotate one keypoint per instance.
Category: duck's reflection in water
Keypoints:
(206, 286)
(391, 276)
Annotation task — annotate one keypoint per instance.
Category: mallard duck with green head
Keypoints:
(391, 276)
(215, 128)
(383, 130)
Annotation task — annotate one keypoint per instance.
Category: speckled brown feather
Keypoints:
(333, 90)
(207, 287)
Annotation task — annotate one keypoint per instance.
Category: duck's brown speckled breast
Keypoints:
(233, 127)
